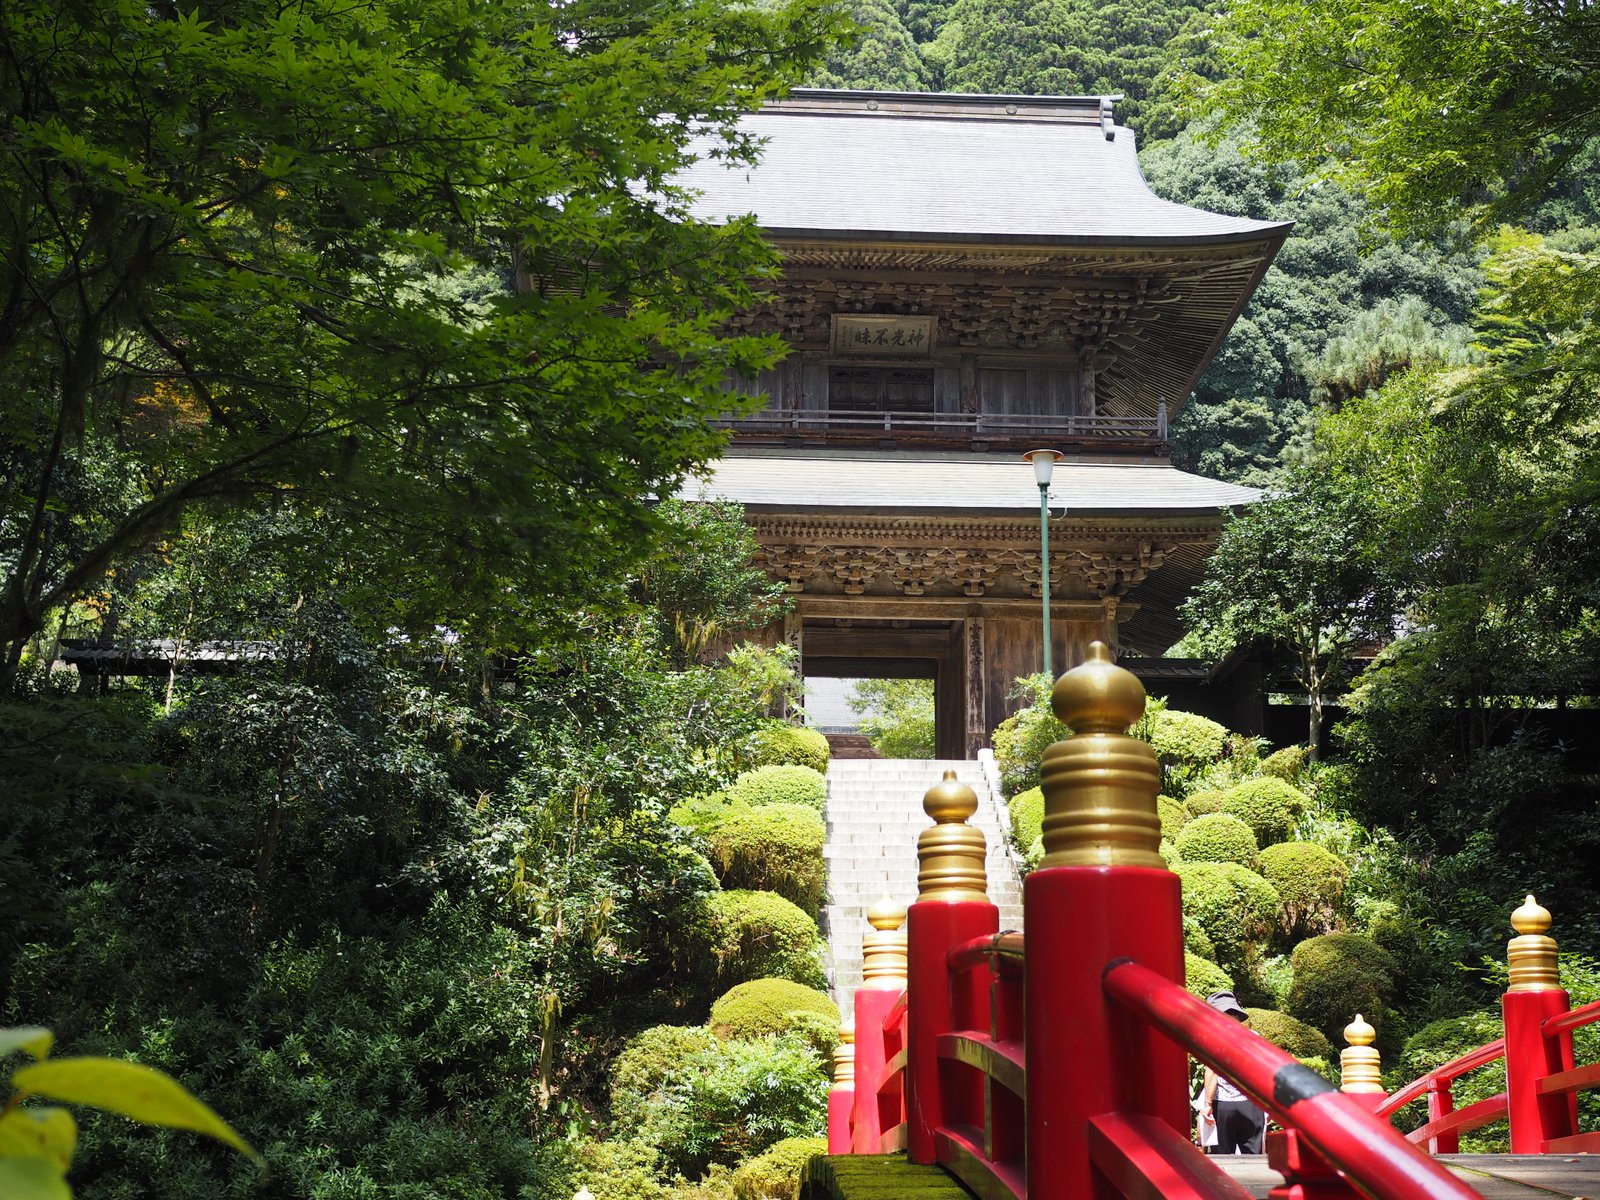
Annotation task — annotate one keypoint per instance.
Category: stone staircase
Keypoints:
(874, 815)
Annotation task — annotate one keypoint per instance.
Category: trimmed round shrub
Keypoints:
(1035, 854)
(1202, 803)
(761, 1007)
(1173, 817)
(758, 935)
(640, 1075)
(775, 848)
(1195, 940)
(704, 813)
(783, 745)
(1310, 882)
(1027, 816)
(1169, 854)
(1202, 978)
(1287, 764)
(776, 1174)
(1269, 806)
(1289, 1035)
(1187, 738)
(1234, 906)
(1022, 738)
(780, 785)
(1337, 976)
(1217, 838)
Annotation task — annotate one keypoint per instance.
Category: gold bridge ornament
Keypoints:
(1532, 954)
(1100, 785)
(883, 951)
(950, 856)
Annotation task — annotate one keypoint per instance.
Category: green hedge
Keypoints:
(1022, 738)
(704, 813)
(1287, 764)
(1204, 802)
(782, 745)
(1269, 806)
(764, 1007)
(1173, 817)
(1290, 1035)
(640, 1075)
(1187, 739)
(775, 848)
(1338, 975)
(759, 935)
(1217, 838)
(1027, 817)
(1202, 977)
(781, 785)
(1235, 907)
(1195, 939)
(777, 1172)
(1310, 882)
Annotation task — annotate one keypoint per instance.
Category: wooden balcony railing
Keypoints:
(957, 427)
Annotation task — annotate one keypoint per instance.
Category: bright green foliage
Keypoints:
(1287, 1034)
(1233, 905)
(1202, 977)
(699, 585)
(261, 252)
(788, 784)
(1022, 738)
(1436, 1044)
(37, 1143)
(1187, 739)
(1302, 569)
(1310, 882)
(776, 1172)
(897, 714)
(782, 744)
(1480, 101)
(880, 54)
(704, 813)
(760, 934)
(723, 1105)
(1338, 975)
(775, 848)
(1207, 800)
(1287, 764)
(641, 1076)
(1194, 938)
(1173, 816)
(1035, 853)
(1268, 805)
(1217, 838)
(1027, 817)
(772, 1006)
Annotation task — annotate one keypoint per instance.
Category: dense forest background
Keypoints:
(439, 846)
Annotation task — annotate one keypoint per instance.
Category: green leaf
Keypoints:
(134, 1090)
(48, 1133)
(32, 1179)
(35, 1039)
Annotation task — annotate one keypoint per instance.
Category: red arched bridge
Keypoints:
(1056, 1065)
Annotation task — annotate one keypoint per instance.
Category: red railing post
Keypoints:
(1102, 893)
(1535, 994)
(883, 979)
(951, 908)
(842, 1095)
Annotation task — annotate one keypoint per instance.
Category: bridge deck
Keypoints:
(1497, 1176)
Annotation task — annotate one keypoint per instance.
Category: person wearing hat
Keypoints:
(1241, 1126)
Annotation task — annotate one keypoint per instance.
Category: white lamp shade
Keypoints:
(1044, 462)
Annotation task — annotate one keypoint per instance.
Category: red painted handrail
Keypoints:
(896, 1016)
(1447, 1073)
(1374, 1157)
(1576, 1018)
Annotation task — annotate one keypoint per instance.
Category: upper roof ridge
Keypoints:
(967, 106)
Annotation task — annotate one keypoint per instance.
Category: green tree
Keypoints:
(425, 263)
(897, 714)
(1429, 108)
(1300, 570)
(880, 55)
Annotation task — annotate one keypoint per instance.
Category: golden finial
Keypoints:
(1359, 1064)
(1100, 784)
(950, 856)
(883, 951)
(844, 1059)
(1532, 954)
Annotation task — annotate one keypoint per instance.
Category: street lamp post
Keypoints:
(1044, 462)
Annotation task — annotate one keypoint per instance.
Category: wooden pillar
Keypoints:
(977, 714)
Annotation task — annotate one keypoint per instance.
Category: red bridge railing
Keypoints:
(1057, 1065)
